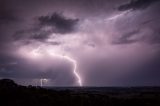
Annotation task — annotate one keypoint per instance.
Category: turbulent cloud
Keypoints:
(47, 25)
(58, 22)
(136, 5)
(110, 46)
(32, 34)
(127, 38)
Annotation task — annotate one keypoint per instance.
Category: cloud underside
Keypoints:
(136, 5)
(47, 25)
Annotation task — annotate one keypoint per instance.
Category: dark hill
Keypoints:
(7, 83)
(12, 94)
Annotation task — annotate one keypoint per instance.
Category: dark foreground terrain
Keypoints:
(12, 94)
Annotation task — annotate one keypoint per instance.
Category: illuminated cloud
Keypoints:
(110, 46)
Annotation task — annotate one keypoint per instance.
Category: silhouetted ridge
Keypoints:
(12, 94)
(7, 83)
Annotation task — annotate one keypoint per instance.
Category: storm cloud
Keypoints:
(136, 5)
(59, 23)
(47, 25)
(110, 46)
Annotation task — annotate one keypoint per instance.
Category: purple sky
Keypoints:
(107, 42)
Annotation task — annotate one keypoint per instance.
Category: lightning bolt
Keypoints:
(79, 81)
(74, 68)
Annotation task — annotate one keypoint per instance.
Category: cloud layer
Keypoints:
(137, 4)
(111, 46)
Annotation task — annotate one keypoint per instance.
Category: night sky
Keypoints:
(80, 42)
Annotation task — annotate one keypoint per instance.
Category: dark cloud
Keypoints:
(29, 36)
(127, 38)
(6, 13)
(32, 34)
(59, 23)
(56, 23)
(136, 5)
(56, 43)
(104, 49)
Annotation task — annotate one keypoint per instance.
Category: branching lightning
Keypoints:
(118, 15)
(74, 64)
(36, 53)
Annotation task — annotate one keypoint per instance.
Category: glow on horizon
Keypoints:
(43, 80)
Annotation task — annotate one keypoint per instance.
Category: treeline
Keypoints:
(12, 94)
